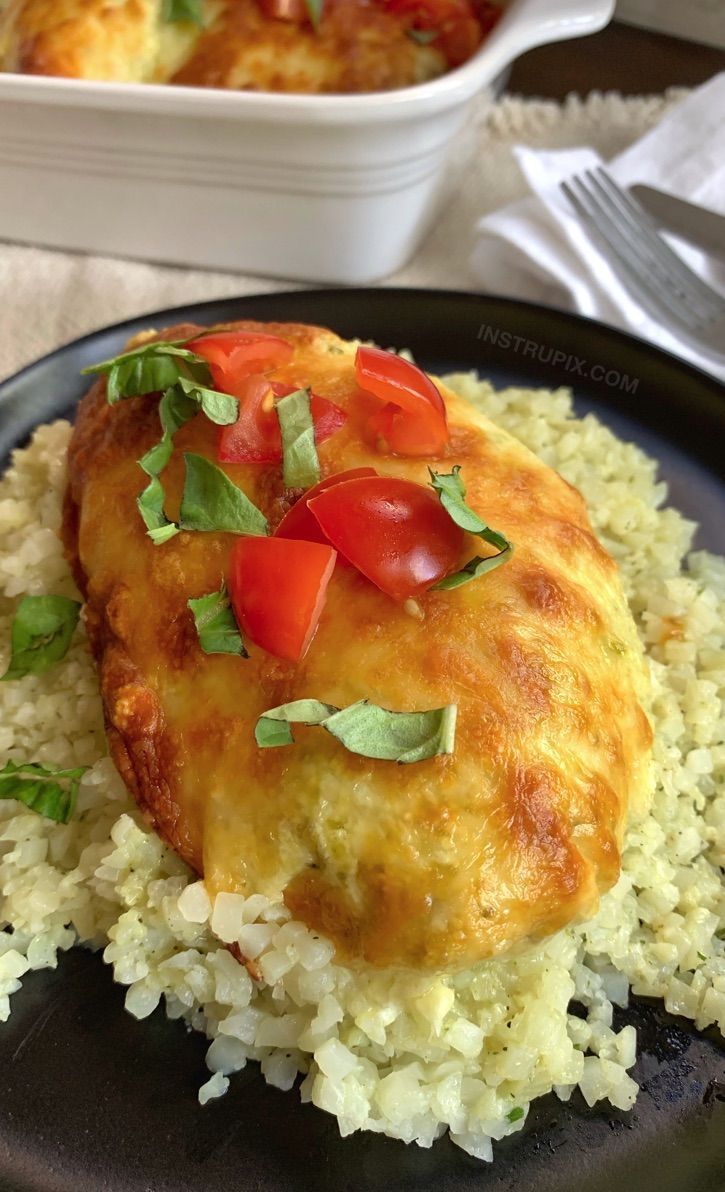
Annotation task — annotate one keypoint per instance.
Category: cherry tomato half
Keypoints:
(278, 588)
(298, 522)
(234, 355)
(395, 532)
(255, 436)
(413, 420)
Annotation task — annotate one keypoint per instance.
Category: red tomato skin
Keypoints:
(255, 437)
(298, 522)
(393, 430)
(278, 588)
(417, 425)
(234, 355)
(395, 532)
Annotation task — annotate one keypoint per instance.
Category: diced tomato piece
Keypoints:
(298, 522)
(395, 532)
(413, 420)
(255, 436)
(278, 588)
(235, 355)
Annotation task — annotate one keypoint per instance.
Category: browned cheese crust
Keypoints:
(359, 46)
(436, 864)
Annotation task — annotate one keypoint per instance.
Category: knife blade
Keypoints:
(699, 225)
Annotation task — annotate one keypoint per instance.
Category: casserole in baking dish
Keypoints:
(321, 187)
(312, 46)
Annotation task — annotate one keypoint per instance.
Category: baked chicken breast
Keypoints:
(437, 864)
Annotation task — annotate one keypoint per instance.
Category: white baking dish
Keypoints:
(324, 188)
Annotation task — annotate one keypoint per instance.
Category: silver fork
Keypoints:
(660, 280)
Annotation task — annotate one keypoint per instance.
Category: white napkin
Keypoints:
(536, 248)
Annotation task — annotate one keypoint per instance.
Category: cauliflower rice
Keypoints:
(401, 1053)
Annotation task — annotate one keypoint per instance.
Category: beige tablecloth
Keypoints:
(48, 298)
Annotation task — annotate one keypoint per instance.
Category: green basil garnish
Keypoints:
(314, 11)
(177, 406)
(300, 465)
(365, 729)
(30, 784)
(152, 368)
(422, 37)
(515, 1114)
(212, 502)
(216, 624)
(175, 409)
(273, 727)
(41, 634)
(221, 408)
(182, 10)
(451, 493)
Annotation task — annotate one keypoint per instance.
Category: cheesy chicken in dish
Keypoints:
(262, 45)
(326, 676)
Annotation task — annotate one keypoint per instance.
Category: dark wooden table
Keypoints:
(620, 58)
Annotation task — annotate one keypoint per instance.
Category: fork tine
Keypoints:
(648, 256)
(675, 306)
(640, 222)
(655, 300)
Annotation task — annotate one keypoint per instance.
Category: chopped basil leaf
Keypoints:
(422, 37)
(54, 800)
(150, 504)
(300, 466)
(216, 624)
(314, 11)
(157, 367)
(41, 634)
(211, 501)
(175, 408)
(182, 10)
(151, 368)
(473, 569)
(451, 493)
(365, 729)
(404, 737)
(515, 1114)
(178, 404)
(273, 728)
(221, 408)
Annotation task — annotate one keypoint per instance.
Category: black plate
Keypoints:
(91, 1099)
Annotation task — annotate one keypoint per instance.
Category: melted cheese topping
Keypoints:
(433, 865)
(359, 46)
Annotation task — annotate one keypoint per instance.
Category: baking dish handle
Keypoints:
(532, 23)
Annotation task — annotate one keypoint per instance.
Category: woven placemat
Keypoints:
(48, 298)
